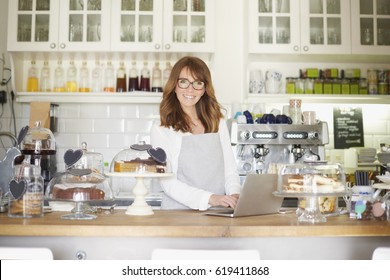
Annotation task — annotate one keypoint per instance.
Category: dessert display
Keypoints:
(83, 181)
(140, 158)
(140, 161)
(317, 187)
(300, 178)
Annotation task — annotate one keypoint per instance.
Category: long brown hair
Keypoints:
(207, 108)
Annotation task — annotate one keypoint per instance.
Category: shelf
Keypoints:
(90, 97)
(319, 98)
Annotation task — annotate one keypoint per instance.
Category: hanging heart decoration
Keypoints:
(71, 157)
(141, 147)
(80, 172)
(17, 189)
(158, 154)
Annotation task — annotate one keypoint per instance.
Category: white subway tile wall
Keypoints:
(110, 128)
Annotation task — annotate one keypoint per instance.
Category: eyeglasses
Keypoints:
(184, 83)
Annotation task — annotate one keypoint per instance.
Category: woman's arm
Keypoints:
(232, 179)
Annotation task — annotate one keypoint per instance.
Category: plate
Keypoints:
(381, 186)
(384, 179)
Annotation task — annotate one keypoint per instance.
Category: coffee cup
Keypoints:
(268, 118)
(283, 119)
(309, 117)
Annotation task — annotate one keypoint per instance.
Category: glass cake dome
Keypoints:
(140, 158)
(38, 140)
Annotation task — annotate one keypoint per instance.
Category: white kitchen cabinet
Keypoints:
(370, 27)
(167, 26)
(59, 25)
(293, 26)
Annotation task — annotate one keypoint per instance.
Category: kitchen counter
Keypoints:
(121, 236)
(189, 224)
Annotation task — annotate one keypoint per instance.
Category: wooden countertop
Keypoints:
(189, 223)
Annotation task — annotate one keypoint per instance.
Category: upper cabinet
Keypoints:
(299, 26)
(54, 25)
(111, 25)
(169, 26)
(371, 27)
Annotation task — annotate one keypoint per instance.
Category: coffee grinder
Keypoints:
(39, 148)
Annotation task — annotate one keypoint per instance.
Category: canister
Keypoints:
(309, 86)
(372, 76)
(328, 86)
(382, 76)
(318, 86)
(383, 88)
(363, 86)
(354, 86)
(26, 192)
(300, 86)
(345, 87)
(336, 86)
(372, 88)
(290, 85)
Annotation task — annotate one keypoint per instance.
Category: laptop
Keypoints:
(256, 198)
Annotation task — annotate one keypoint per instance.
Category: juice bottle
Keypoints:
(133, 78)
(71, 78)
(145, 78)
(109, 78)
(156, 78)
(84, 78)
(59, 78)
(97, 78)
(167, 72)
(121, 78)
(45, 78)
(32, 80)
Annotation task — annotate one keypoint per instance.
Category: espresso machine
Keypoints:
(260, 148)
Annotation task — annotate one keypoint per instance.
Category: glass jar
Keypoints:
(290, 85)
(45, 77)
(26, 192)
(32, 79)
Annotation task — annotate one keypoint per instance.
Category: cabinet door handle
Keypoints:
(167, 46)
(53, 45)
(157, 46)
(306, 48)
(296, 48)
(62, 46)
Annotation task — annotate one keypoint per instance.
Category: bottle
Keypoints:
(97, 78)
(32, 80)
(133, 78)
(156, 78)
(84, 78)
(145, 78)
(167, 72)
(71, 78)
(45, 78)
(109, 78)
(121, 78)
(59, 78)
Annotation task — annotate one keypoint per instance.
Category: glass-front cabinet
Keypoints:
(299, 26)
(170, 25)
(66, 25)
(371, 26)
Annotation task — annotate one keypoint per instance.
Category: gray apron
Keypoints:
(201, 165)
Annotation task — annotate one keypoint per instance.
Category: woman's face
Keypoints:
(189, 96)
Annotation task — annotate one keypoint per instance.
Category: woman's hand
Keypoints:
(224, 200)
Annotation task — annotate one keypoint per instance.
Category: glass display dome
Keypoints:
(90, 160)
(38, 140)
(140, 158)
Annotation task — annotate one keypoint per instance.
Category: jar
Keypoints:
(383, 88)
(299, 86)
(345, 87)
(354, 86)
(363, 86)
(26, 192)
(318, 86)
(309, 86)
(328, 86)
(336, 86)
(290, 85)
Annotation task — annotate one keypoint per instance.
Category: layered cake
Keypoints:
(312, 184)
(82, 192)
(139, 165)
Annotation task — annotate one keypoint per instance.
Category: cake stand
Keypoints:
(139, 207)
(312, 212)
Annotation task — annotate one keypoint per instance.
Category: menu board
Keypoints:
(348, 127)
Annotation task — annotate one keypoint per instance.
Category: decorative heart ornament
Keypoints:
(17, 189)
(158, 154)
(22, 134)
(141, 147)
(71, 157)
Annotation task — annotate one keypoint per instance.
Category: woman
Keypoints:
(196, 140)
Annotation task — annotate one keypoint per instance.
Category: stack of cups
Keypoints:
(295, 111)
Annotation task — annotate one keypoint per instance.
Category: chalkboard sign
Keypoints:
(348, 127)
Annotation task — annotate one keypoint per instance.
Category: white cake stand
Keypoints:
(139, 207)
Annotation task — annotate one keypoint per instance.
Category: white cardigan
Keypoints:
(192, 197)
